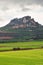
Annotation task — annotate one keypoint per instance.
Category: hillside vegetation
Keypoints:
(22, 29)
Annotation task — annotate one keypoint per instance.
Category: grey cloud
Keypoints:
(16, 5)
(21, 3)
(6, 4)
(25, 9)
(29, 2)
(5, 8)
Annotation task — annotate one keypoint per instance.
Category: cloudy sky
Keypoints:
(10, 9)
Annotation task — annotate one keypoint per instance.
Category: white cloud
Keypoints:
(10, 9)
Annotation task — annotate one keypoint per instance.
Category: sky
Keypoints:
(10, 9)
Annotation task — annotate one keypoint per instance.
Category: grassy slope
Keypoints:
(32, 44)
(31, 57)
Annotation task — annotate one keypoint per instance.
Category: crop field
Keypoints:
(30, 44)
(25, 57)
(22, 57)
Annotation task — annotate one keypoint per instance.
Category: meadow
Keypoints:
(22, 57)
(30, 44)
(25, 57)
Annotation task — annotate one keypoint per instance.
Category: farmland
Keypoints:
(29, 57)
(30, 44)
(22, 57)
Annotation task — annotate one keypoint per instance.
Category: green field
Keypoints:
(30, 44)
(29, 57)
(22, 57)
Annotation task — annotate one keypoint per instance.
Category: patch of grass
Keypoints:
(29, 57)
(30, 44)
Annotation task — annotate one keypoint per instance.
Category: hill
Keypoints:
(21, 29)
